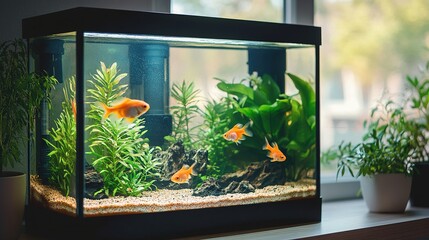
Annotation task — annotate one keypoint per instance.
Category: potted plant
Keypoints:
(419, 100)
(21, 93)
(383, 159)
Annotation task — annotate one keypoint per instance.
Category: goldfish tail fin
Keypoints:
(107, 110)
(267, 144)
(247, 131)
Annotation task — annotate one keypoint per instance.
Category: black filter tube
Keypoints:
(269, 61)
(149, 81)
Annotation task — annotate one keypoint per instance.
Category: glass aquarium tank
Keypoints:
(159, 121)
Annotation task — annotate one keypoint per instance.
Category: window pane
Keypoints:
(262, 10)
(368, 47)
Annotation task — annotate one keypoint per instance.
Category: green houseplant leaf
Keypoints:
(21, 94)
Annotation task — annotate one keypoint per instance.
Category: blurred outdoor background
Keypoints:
(368, 47)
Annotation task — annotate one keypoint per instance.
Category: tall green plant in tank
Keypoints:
(63, 142)
(118, 149)
(184, 112)
(220, 152)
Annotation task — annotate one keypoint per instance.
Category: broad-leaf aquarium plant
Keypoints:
(275, 119)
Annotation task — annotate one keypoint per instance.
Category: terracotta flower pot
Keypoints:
(12, 204)
(386, 192)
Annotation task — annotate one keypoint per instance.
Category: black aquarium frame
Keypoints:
(173, 223)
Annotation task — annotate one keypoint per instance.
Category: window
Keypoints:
(238, 9)
(368, 47)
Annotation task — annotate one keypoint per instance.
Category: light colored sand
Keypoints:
(166, 200)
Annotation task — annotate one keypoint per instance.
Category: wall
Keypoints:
(12, 12)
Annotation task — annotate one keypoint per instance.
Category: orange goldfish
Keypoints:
(274, 152)
(73, 105)
(237, 133)
(184, 174)
(128, 109)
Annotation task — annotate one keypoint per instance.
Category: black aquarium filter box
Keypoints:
(165, 125)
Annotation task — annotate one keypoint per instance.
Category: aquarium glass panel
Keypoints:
(186, 123)
(53, 155)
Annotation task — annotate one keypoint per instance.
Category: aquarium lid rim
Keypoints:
(84, 19)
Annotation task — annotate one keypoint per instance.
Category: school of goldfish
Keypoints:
(236, 134)
(130, 109)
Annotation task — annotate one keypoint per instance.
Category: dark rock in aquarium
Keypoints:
(243, 187)
(174, 158)
(259, 174)
(256, 175)
(239, 187)
(93, 183)
(209, 188)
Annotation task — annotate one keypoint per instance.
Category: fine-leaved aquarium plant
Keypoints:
(62, 157)
(184, 112)
(117, 149)
(216, 115)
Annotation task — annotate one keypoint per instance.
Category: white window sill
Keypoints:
(348, 220)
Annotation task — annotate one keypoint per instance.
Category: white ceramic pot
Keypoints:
(12, 204)
(387, 193)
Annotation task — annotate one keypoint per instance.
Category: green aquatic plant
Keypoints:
(126, 162)
(287, 120)
(184, 113)
(62, 157)
(118, 150)
(300, 131)
(216, 117)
